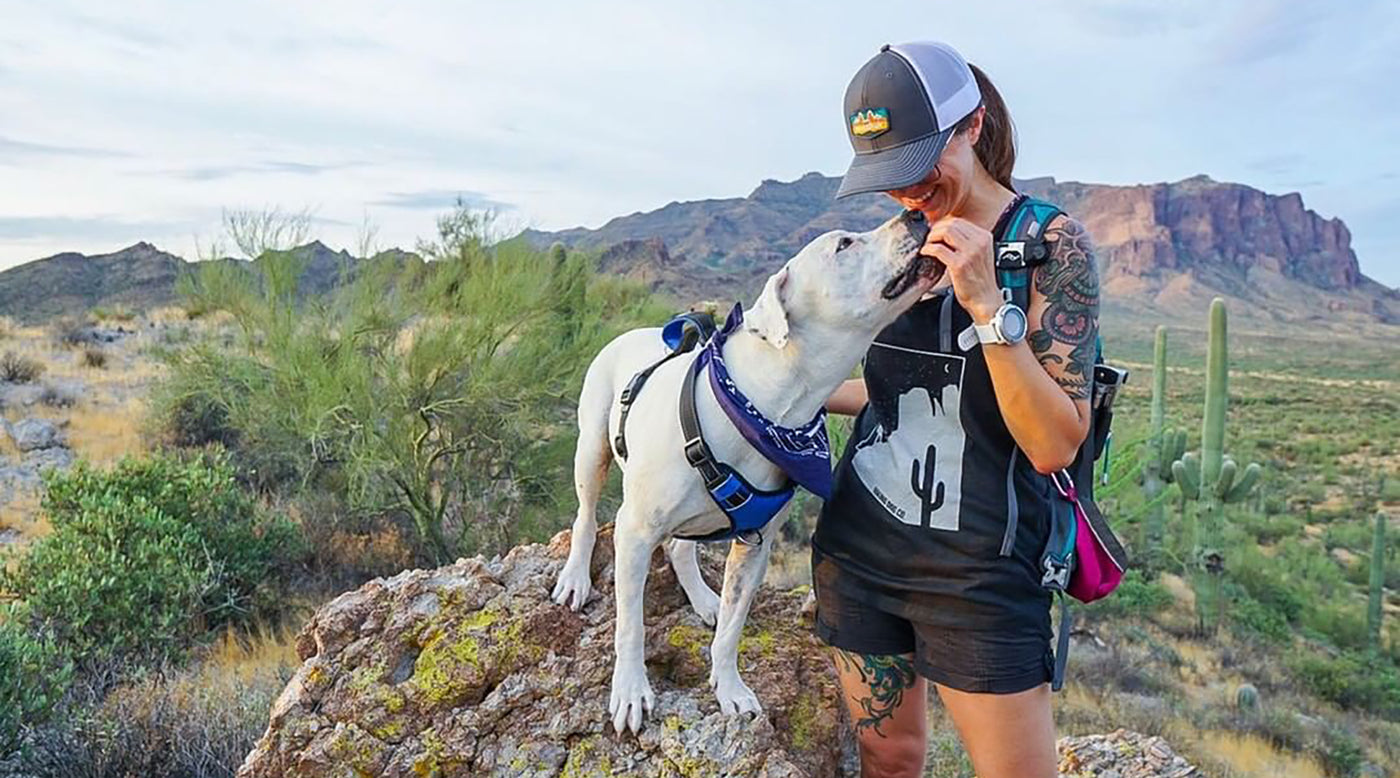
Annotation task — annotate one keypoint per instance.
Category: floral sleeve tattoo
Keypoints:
(1068, 329)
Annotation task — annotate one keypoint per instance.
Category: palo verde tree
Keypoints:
(441, 391)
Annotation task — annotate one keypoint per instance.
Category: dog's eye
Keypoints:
(843, 244)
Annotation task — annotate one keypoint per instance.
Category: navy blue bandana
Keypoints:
(803, 453)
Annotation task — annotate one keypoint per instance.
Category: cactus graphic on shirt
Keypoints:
(932, 499)
(910, 459)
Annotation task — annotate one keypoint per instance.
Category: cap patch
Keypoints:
(870, 122)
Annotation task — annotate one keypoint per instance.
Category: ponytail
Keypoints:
(996, 146)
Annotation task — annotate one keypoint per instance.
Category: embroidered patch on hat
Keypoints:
(870, 122)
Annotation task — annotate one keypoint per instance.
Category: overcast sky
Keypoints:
(142, 120)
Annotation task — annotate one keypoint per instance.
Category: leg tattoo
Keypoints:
(887, 676)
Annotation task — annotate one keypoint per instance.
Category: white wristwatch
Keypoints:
(1008, 326)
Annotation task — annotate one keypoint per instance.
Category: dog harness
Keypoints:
(803, 453)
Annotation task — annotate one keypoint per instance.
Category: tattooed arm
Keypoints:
(1046, 405)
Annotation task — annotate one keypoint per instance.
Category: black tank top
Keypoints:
(936, 515)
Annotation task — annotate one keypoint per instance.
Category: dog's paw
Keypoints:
(631, 699)
(734, 695)
(573, 587)
(708, 606)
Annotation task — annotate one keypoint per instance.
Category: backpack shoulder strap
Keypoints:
(1021, 247)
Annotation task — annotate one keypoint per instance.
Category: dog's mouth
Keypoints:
(917, 266)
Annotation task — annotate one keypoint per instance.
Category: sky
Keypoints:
(148, 119)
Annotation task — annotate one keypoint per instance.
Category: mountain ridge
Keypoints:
(1164, 249)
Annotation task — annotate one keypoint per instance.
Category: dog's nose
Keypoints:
(917, 224)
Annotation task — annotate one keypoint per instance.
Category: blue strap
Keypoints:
(1057, 681)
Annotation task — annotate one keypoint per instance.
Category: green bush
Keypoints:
(1135, 596)
(144, 558)
(1255, 619)
(33, 676)
(444, 393)
(1352, 680)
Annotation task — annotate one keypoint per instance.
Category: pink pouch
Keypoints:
(1098, 556)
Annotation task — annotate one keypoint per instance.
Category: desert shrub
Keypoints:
(1265, 582)
(94, 357)
(446, 396)
(1136, 595)
(33, 676)
(54, 397)
(144, 558)
(1352, 680)
(1339, 753)
(72, 331)
(1254, 619)
(19, 369)
(186, 723)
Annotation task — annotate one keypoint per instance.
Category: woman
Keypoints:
(912, 586)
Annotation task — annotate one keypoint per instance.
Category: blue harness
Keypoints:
(803, 453)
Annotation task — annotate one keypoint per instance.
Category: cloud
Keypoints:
(12, 149)
(442, 199)
(84, 228)
(216, 172)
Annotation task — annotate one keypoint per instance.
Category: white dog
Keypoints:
(811, 324)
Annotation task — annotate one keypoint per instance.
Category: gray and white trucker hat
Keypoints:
(900, 111)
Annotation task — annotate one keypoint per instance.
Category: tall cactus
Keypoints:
(1213, 479)
(1164, 446)
(1374, 613)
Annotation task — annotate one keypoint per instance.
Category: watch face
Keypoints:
(1013, 324)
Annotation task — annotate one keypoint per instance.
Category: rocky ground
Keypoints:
(470, 670)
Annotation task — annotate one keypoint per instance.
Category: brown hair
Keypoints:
(996, 146)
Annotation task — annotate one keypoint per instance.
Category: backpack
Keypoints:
(1082, 557)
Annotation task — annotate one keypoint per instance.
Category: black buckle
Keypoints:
(757, 537)
(695, 452)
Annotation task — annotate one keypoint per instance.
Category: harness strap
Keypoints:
(688, 338)
(1057, 682)
(747, 508)
(945, 323)
(1013, 507)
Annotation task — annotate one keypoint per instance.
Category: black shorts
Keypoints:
(983, 661)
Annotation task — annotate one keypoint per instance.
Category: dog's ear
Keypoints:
(768, 318)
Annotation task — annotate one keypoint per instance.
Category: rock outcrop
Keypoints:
(470, 670)
(1122, 754)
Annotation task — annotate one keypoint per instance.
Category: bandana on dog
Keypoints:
(803, 453)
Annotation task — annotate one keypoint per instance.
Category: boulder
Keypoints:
(471, 670)
(34, 434)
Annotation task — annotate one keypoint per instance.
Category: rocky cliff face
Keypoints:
(1166, 248)
(1161, 229)
(470, 670)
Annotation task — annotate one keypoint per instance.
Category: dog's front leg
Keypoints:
(743, 572)
(633, 542)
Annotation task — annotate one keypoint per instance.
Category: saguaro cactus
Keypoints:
(1374, 613)
(931, 496)
(1213, 479)
(1164, 446)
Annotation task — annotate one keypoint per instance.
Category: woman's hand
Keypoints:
(965, 249)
